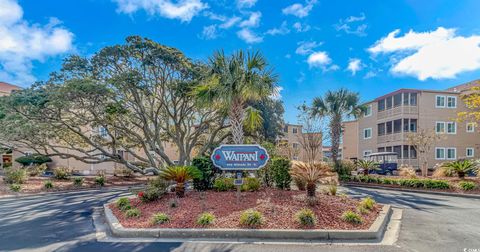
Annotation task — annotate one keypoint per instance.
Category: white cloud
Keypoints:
(22, 43)
(183, 10)
(319, 59)
(209, 32)
(278, 93)
(246, 3)
(298, 9)
(354, 65)
(351, 25)
(249, 36)
(435, 54)
(282, 30)
(370, 74)
(230, 22)
(252, 21)
(301, 27)
(306, 47)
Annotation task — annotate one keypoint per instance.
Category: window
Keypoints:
(381, 149)
(294, 130)
(368, 111)
(413, 152)
(388, 149)
(451, 153)
(405, 151)
(470, 127)
(405, 125)
(440, 103)
(389, 127)
(102, 131)
(440, 127)
(470, 152)
(366, 153)
(397, 100)
(413, 99)
(175, 162)
(389, 102)
(381, 129)
(451, 128)
(367, 133)
(439, 153)
(413, 125)
(381, 105)
(451, 101)
(397, 126)
(405, 99)
(285, 129)
(398, 150)
(295, 145)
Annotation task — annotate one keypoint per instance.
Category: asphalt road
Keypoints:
(63, 222)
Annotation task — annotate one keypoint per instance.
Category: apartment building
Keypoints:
(290, 143)
(389, 118)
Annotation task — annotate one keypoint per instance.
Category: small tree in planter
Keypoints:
(180, 174)
(206, 167)
(461, 167)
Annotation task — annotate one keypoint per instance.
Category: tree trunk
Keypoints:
(180, 190)
(236, 115)
(336, 129)
(311, 187)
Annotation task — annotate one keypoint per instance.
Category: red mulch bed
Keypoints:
(278, 208)
(36, 184)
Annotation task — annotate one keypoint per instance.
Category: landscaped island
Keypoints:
(264, 209)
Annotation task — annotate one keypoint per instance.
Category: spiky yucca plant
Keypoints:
(461, 167)
(311, 174)
(180, 174)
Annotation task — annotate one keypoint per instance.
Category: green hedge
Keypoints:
(413, 183)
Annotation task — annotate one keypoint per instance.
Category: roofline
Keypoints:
(401, 90)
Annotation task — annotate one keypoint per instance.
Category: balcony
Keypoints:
(396, 137)
(399, 110)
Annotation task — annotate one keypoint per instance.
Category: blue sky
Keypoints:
(372, 47)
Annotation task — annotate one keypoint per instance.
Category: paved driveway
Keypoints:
(63, 222)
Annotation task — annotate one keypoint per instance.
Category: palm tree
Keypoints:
(461, 167)
(335, 105)
(367, 165)
(234, 81)
(180, 174)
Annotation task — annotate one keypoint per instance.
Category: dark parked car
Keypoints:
(387, 162)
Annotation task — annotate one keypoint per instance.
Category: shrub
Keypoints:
(132, 213)
(34, 159)
(352, 217)
(280, 172)
(61, 173)
(160, 218)
(205, 219)
(362, 210)
(100, 180)
(48, 184)
(311, 174)
(332, 189)
(123, 204)
(306, 217)
(407, 171)
(223, 184)
(78, 181)
(251, 218)
(15, 176)
(37, 170)
(150, 194)
(251, 184)
(415, 183)
(367, 203)
(180, 174)
(346, 167)
(467, 185)
(442, 172)
(367, 165)
(206, 167)
(123, 172)
(461, 167)
(15, 187)
(345, 177)
(299, 183)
